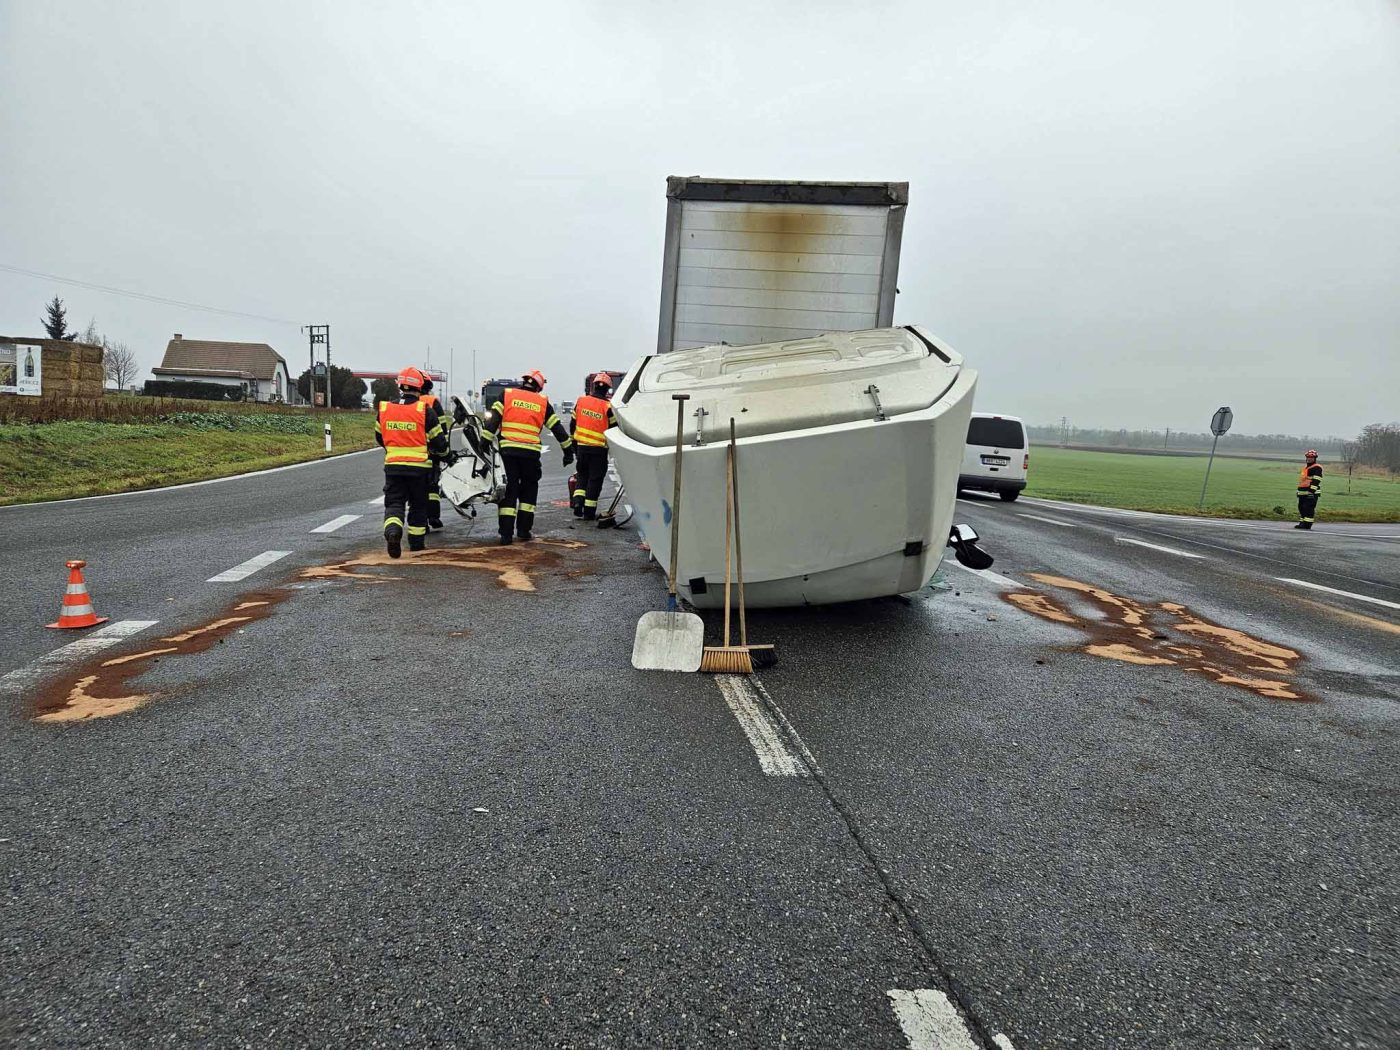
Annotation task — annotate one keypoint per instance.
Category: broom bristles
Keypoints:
(726, 659)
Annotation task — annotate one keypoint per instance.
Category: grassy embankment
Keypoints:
(71, 457)
(1239, 488)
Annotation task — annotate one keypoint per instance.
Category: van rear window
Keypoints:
(999, 433)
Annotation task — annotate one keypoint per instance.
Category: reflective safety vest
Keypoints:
(590, 420)
(1308, 482)
(431, 400)
(522, 419)
(404, 429)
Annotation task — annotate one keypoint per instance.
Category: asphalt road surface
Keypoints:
(1135, 787)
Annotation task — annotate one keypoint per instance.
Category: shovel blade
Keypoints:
(668, 641)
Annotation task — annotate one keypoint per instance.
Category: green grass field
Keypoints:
(1239, 488)
(44, 461)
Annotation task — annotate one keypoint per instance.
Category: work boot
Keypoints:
(416, 543)
(506, 539)
(527, 536)
(393, 539)
(1301, 525)
(590, 514)
(578, 510)
(435, 523)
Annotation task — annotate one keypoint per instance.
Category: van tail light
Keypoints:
(1026, 463)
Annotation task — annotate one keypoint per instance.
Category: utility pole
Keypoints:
(1064, 431)
(1167, 443)
(319, 333)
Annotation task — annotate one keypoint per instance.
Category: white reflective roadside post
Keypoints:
(328, 437)
(1219, 423)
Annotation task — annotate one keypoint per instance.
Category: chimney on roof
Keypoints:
(178, 336)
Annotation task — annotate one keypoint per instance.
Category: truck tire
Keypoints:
(1010, 497)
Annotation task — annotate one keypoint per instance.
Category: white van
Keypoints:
(997, 457)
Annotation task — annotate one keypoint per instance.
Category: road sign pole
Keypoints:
(1209, 462)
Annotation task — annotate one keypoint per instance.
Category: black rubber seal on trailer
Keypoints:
(636, 381)
(756, 191)
(932, 348)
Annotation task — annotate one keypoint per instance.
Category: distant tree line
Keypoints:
(1181, 440)
(1378, 446)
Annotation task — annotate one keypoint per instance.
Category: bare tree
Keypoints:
(118, 364)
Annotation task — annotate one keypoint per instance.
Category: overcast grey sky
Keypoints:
(1124, 213)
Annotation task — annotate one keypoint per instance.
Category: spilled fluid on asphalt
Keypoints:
(1167, 634)
(512, 566)
(102, 690)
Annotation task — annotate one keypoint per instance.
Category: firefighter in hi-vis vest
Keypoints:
(411, 434)
(593, 415)
(519, 416)
(435, 471)
(1309, 486)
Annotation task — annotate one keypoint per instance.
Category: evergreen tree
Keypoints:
(56, 321)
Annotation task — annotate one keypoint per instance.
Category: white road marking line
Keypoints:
(766, 738)
(337, 523)
(930, 1020)
(102, 638)
(190, 484)
(377, 499)
(252, 565)
(792, 736)
(1344, 594)
(1156, 547)
(1052, 521)
(1002, 1041)
(995, 577)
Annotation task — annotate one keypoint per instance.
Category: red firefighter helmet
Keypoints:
(411, 379)
(602, 379)
(1310, 454)
(534, 376)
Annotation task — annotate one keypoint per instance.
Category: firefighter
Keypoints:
(435, 472)
(411, 434)
(1309, 486)
(519, 416)
(593, 415)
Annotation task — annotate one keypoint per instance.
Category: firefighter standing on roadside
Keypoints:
(593, 415)
(411, 434)
(519, 416)
(435, 472)
(1309, 487)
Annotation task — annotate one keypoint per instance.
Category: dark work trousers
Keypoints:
(592, 472)
(410, 489)
(1307, 508)
(435, 494)
(522, 489)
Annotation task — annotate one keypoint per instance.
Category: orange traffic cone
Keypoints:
(76, 610)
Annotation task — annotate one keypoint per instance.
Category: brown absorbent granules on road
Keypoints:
(1147, 635)
(511, 565)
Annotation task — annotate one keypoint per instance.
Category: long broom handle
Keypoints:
(728, 510)
(738, 533)
(680, 400)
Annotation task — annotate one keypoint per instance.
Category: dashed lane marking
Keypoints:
(775, 757)
(995, 577)
(1052, 521)
(252, 565)
(1156, 547)
(1344, 594)
(377, 500)
(105, 637)
(337, 523)
(930, 1020)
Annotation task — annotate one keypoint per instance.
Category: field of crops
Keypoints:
(70, 457)
(1239, 488)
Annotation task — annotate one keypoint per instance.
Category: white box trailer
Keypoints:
(758, 262)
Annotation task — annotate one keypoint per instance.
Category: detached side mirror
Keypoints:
(459, 411)
(963, 540)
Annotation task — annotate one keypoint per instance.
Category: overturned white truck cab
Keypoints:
(849, 446)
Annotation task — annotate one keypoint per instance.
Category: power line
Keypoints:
(142, 295)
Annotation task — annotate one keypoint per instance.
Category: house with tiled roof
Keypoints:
(257, 369)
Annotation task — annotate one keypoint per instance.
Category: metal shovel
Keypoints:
(672, 640)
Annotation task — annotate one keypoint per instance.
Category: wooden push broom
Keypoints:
(741, 658)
